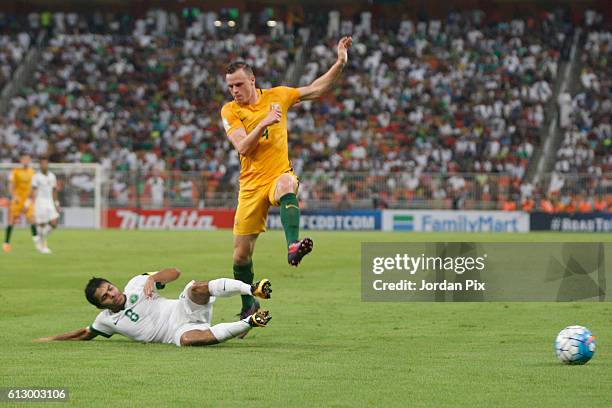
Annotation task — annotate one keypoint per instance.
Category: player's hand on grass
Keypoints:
(274, 116)
(43, 340)
(149, 286)
(343, 46)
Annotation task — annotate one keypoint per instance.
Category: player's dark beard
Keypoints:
(115, 310)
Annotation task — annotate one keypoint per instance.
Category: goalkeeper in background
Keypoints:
(20, 185)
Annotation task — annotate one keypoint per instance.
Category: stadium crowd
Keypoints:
(15, 42)
(587, 138)
(475, 103)
(586, 147)
(422, 104)
(144, 95)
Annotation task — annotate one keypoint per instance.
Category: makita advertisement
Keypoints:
(589, 222)
(176, 218)
(350, 220)
(455, 221)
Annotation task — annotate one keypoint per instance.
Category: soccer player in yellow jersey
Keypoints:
(20, 185)
(256, 124)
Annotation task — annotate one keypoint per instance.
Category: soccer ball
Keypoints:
(575, 345)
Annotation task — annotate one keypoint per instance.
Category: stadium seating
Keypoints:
(13, 48)
(102, 97)
(433, 98)
(439, 112)
(586, 145)
(587, 139)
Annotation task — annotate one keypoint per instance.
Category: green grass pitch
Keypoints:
(324, 347)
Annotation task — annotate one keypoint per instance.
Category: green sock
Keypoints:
(290, 217)
(33, 229)
(244, 273)
(9, 230)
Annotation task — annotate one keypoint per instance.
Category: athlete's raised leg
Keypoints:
(200, 293)
(285, 194)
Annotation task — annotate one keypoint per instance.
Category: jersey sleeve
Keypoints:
(53, 181)
(289, 95)
(158, 285)
(136, 284)
(231, 121)
(102, 326)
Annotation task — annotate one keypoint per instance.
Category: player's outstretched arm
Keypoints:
(162, 277)
(322, 84)
(78, 334)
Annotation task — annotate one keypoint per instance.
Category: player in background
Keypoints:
(20, 183)
(140, 314)
(46, 204)
(256, 124)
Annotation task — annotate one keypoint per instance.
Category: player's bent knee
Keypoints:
(199, 292)
(285, 185)
(242, 254)
(198, 338)
(242, 257)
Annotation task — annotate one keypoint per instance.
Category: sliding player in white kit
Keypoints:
(46, 204)
(142, 315)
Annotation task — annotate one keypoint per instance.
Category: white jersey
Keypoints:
(44, 184)
(153, 320)
(157, 191)
(142, 319)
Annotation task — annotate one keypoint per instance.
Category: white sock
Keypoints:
(47, 230)
(224, 287)
(226, 331)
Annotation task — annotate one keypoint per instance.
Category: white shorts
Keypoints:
(191, 316)
(45, 211)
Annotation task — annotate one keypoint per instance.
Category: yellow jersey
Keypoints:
(270, 158)
(22, 180)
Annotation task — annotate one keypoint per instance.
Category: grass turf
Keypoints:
(324, 347)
